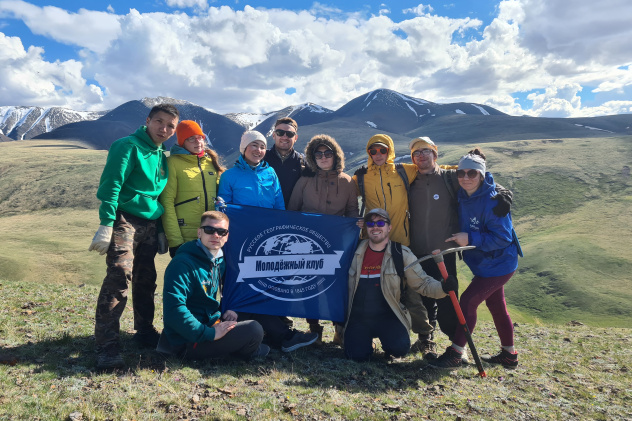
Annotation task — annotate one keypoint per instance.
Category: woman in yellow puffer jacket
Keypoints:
(384, 188)
(194, 172)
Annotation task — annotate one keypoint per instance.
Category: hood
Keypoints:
(381, 138)
(241, 163)
(178, 150)
(312, 145)
(144, 141)
(487, 189)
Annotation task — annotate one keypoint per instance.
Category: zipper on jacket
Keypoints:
(382, 187)
(390, 190)
(187, 201)
(203, 184)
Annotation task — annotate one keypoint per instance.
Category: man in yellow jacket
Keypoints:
(384, 187)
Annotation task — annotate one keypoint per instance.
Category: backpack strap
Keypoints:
(402, 173)
(449, 180)
(398, 260)
(359, 174)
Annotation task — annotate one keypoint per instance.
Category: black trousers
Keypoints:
(441, 311)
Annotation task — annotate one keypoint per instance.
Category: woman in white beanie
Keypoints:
(251, 181)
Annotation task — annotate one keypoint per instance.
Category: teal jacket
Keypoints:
(135, 174)
(190, 294)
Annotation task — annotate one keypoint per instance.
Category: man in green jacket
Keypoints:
(135, 174)
(194, 326)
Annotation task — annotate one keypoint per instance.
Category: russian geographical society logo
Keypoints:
(288, 263)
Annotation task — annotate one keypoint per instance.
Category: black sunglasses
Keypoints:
(287, 133)
(383, 151)
(470, 173)
(222, 232)
(379, 223)
(326, 154)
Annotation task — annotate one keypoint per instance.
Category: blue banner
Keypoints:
(288, 263)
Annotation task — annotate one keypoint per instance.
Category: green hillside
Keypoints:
(571, 213)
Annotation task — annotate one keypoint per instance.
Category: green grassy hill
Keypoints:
(571, 213)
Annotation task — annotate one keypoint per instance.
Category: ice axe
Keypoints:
(438, 258)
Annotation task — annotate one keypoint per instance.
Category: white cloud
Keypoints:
(419, 10)
(27, 79)
(243, 60)
(202, 4)
(89, 29)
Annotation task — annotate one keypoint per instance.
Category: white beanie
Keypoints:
(251, 136)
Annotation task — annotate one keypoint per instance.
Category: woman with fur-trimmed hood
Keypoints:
(323, 186)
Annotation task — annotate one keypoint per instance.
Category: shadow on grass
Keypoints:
(323, 367)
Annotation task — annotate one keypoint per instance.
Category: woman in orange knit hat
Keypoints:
(194, 171)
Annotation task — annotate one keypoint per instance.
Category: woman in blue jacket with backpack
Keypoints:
(493, 262)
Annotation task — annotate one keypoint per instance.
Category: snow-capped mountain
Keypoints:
(391, 111)
(307, 113)
(21, 122)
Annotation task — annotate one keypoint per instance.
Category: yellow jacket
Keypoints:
(384, 188)
(190, 191)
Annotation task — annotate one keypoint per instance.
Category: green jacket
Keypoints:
(190, 302)
(134, 175)
(190, 191)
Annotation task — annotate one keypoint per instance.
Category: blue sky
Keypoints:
(532, 57)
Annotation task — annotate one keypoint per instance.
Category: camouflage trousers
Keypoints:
(130, 258)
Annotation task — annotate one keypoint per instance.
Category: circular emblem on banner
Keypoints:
(289, 263)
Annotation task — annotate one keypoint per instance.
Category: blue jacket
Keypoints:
(495, 253)
(244, 185)
(190, 301)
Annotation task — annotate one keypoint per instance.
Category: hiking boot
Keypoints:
(318, 329)
(338, 339)
(261, 352)
(504, 357)
(426, 347)
(298, 340)
(110, 359)
(449, 360)
(147, 338)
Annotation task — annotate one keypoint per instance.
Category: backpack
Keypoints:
(398, 260)
(360, 179)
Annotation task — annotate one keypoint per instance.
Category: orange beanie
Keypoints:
(186, 129)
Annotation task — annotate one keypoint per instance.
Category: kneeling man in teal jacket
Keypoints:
(194, 326)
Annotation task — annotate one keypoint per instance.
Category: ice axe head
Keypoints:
(439, 256)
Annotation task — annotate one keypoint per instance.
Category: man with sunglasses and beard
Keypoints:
(286, 162)
(195, 328)
(375, 309)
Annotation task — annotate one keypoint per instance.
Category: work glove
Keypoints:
(163, 244)
(450, 284)
(220, 205)
(102, 239)
(172, 250)
(504, 197)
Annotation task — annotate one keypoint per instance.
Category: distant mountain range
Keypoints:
(380, 111)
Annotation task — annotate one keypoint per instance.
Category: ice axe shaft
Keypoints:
(438, 258)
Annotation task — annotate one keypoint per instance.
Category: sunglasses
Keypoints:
(321, 154)
(383, 151)
(470, 173)
(287, 133)
(424, 152)
(379, 223)
(222, 232)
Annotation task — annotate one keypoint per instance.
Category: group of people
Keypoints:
(152, 204)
